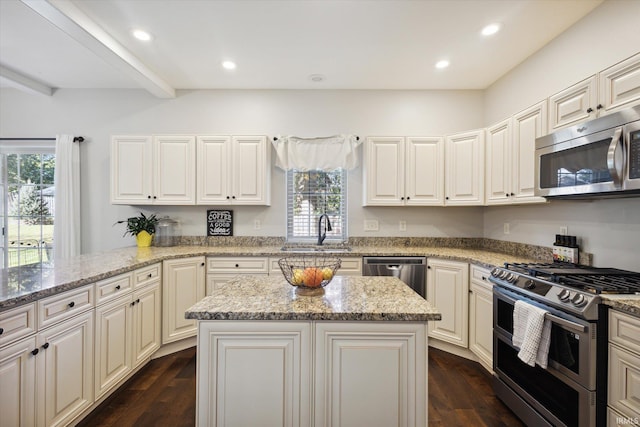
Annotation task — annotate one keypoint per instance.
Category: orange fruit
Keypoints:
(312, 277)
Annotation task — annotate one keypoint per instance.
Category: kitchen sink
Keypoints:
(308, 249)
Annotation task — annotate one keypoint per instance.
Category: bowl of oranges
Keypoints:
(309, 274)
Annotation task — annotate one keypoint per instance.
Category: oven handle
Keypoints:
(612, 165)
(552, 317)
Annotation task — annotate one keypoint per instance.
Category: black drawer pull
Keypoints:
(150, 276)
(45, 345)
(118, 288)
(72, 304)
(237, 265)
(1, 331)
(132, 303)
(35, 351)
(138, 301)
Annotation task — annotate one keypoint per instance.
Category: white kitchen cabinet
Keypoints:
(351, 266)
(221, 270)
(498, 163)
(528, 125)
(619, 85)
(17, 323)
(481, 316)
(157, 170)
(147, 322)
(18, 383)
(448, 289)
(65, 370)
(183, 284)
(404, 171)
(624, 365)
(464, 175)
(370, 374)
(233, 170)
(574, 104)
(254, 374)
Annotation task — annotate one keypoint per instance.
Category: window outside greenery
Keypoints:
(311, 194)
(29, 208)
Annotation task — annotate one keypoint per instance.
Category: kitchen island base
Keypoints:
(312, 373)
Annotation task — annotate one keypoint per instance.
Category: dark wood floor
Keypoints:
(163, 393)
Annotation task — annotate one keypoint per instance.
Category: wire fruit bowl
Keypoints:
(309, 274)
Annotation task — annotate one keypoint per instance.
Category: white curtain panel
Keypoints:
(320, 153)
(66, 230)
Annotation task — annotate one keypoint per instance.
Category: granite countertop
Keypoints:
(21, 285)
(629, 304)
(346, 298)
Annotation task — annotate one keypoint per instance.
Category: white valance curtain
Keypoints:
(66, 230)
(321, 153)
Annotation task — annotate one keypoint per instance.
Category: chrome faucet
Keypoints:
(327, 227)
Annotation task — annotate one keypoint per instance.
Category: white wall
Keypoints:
(610, 229)
(97, 114)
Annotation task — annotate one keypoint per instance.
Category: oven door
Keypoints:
(572, 350)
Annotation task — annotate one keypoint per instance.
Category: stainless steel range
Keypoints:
(572, 390)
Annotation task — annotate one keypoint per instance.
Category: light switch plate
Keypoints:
(402, 225)
(371, 225)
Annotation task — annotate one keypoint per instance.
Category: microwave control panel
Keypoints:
(634, 155)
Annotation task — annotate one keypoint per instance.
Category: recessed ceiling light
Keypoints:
(442, 64)
(316, 78)
(141, 35)
(490, 29)
(229, 65)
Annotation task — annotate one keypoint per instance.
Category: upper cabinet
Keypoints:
(153, 170)
(175, 170)
(498, 164)
(612, 89)
(465, 169)
(404, 171)
(233, 170)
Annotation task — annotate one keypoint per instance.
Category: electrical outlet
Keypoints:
(371, 225)
(506, 228)
(257, 224)
(402, 226)
(564, 230)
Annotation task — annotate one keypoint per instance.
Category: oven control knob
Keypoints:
(578, 300)
(529, 284)
(564, 295)
(511, 278)
(495, 272)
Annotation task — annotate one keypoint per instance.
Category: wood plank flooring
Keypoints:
(163, 393)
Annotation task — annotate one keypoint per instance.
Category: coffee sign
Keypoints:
(219, 223)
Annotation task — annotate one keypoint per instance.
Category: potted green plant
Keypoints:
(141, 227)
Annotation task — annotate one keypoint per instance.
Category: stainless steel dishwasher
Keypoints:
(412, 270)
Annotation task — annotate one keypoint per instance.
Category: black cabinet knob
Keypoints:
(237, 265)
(202, 264)
(233, 197)
(512, 194)
(148, 197)
(118, 288)
(506, 194)
(600, 106)
(1, 331)
(446, 198)
(138, 301)
(228, 197)
(589, 110)
(150, 275)
(401, 198)
(484, 278)
(35, 351)
(45, 345)
(408, 198)
(72, 304)
(132, 303)
(429, 267)
(154, 197)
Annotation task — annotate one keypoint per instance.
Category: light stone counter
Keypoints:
(345, 298)
(629, 304)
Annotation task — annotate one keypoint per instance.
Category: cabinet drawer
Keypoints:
(17, 323)
(624, 330)
(146, 275)
(624, 381)
(350, 267)
(65, 305)
(481, 276)
(237, 265)
(113, 287)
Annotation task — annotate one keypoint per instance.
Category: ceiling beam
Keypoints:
(68, 18)
(23, 82)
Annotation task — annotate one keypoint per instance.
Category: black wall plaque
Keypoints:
(219, 223)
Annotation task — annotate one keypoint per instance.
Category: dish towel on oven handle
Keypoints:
(531, 333)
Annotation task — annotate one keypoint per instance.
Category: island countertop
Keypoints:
(346, 298)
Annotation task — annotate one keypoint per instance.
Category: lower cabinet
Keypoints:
(448, 290)
(263, 373)
(481, 316)
(221, 270)
(183, 284)
(18, 380)
(624, 369)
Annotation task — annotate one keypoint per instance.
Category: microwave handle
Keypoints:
(614, 170)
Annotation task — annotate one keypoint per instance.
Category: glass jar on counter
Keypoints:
(166, 232)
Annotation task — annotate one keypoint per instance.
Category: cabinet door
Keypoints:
(174, 174)
(370, 374)
(424, 175)
(18, 384)
(183, 284)
(113, 343)
(573, 105)
(384, 171)
(448, 289)
(65, 370)
(465, 169)
(619, 85)
(147, 312)
(498, 170)
(213, 184)
(254, 374)
(624, 381)
(481, 321)
(251, 160)
(527, 126)
(131, 170)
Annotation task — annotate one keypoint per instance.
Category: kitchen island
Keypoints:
(356, 355)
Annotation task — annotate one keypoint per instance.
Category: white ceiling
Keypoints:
(277, 44)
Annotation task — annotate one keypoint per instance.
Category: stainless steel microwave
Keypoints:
(598, 158)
